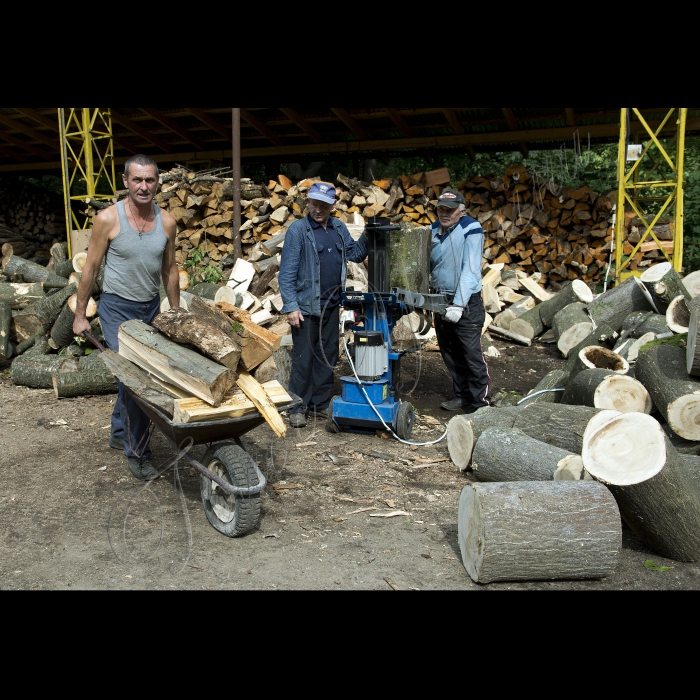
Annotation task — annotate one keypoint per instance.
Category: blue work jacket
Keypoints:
(300, 272)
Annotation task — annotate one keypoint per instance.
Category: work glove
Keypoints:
(454, 314)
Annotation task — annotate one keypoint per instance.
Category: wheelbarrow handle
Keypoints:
(94, 341)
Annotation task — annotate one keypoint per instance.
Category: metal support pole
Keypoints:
(678, 249)
(66, 176)
(238, 250)
(619, 232)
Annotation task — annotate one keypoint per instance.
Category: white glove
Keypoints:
(454, 314)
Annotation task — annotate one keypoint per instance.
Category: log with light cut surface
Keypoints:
(692, 284)
(20, 296)
(572, 530)
(678, 315)
(595, 357)
(38, 372)
(664, 284)
(571, 326)
(617, 304)
(31, 272)
(529, 325)
(657, 494)
(79, 262)
(571, 469)
(537, 292)
(601, 388)
(175, 364)
(42, 314)
(575, 292)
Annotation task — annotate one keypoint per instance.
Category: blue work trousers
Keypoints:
(113, 312)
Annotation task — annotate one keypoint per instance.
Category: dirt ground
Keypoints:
(72, 516)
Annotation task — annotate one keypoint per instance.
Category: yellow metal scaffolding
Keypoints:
(660, 171)
(87, 155)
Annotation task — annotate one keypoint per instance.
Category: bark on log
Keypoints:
(205, 290)
(64, 269)
(678, 315)
(604, 389)
(34, 273)
(529, 325)
(594, 357)
(554, 380)
(139, 382)
(576, 292)
(505, 455)
(504, 536)
(463, 432)
(95, 382)
(571, 325)
(38, 372)
(40, 347)
(613, 307)
(600, 338)
(662, 370)
(657, 495)
(664, 284)
(684, 447)
(188, 328)
(509, 335)
(261, 286)
(62, 330)
(693, 350)
(174, 364)
(5, 323)
(44, 313)
(20, 296)
(31, 342)
(642, 322)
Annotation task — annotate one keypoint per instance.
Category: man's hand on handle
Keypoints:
(454, 314)
(295, 319)
(80, 325)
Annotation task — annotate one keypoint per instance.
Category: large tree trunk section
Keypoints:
(657, 495)
(34, 273)
(664, 284)
(409, 267)
(205, 290)
(58, 254)
(42, 314)
(556, 424)
(5, 324)
(504, 455)
(683, 447)
(600, 338)
(62, 331)
(601, 388)
(693, 350)
(643, 322)
(554, 380)
(662, 370)
(571, 325)
(678, 315)
(20, 296)
(139, 382)
(175, 364)
(613, 307)
(539, 532)
(38, 372)
(463, 432)
(94, 382)
(595, 357)
(576, 292)
(529, 325)
(187, 328)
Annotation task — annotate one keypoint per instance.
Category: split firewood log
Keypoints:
(657, 495)
(37, 372)
(662, 370)
(613, 307)
(604, 389)
(664, 284)
(577, 513)
(571, 325)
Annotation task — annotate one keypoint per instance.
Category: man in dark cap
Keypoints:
(312, 278)
(458, 244)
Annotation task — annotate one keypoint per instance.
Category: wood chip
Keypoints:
(362, 510)
(394, 514)
(392, 584)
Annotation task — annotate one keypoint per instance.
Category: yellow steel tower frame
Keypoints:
(87, 154)
(647, 174)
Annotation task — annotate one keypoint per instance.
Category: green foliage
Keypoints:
(653, 566)
(237, 327)
(48, 182)
(201, 269)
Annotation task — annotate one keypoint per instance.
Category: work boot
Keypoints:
(142, 469)
(455, 405)
(116, 443)
(297, 420)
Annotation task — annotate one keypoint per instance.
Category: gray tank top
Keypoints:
(133, 264)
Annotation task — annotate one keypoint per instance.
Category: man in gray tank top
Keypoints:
(136, 239)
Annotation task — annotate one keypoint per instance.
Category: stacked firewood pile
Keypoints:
(620, 423)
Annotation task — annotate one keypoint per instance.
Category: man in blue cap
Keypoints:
(312, 278)
(458, 245)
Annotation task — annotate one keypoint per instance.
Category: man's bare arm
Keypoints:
(170, 273)
(97, 250)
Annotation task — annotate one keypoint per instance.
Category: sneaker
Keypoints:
(297, 420)
(116, 443)
(142, 469)
(454, 406)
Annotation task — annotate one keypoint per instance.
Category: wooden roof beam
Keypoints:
(133, 126)
(13, 156)
(212, 123)
(260, 127)
(357, 131)
(302, 124)
(400, 122)
(514, 126)
(570, 116)
(24, 129)
(457, 128)
(171, 124)
(26, 146)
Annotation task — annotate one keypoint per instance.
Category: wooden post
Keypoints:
(238, 251)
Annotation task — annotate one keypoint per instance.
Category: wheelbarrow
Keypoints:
(231, 482)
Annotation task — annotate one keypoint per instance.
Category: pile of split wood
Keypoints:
(620, 423)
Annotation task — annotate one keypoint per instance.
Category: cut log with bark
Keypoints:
(38, 372)
(657, 495)
(189, 329)
(62, 330)
(678, 315)
(20, 296)
(574, 293)
(510, 335)
(571, 326)
(42, 314)
(555, 380)
(664, 284)
(256, 393)
(175, 364)
(79, 261)
(616, 305)
(205, 290)
(463, 432)
(529, 325)
(5, 324)
(604, 389)
(28, 344)
(693, 350)
(692, 284)
(571, 469)
(662, 370)
(31, 272)
(94, 382)
(643, 322)
(505, 455)
(234, 406)
(539, 532)
(139, 382)
(595, 357)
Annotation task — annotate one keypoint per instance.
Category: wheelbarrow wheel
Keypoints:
(233, 516)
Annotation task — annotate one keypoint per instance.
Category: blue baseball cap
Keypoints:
(322, 192)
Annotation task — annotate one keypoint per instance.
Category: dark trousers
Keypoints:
(114, 311)
(460, 345)
(314, 358)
